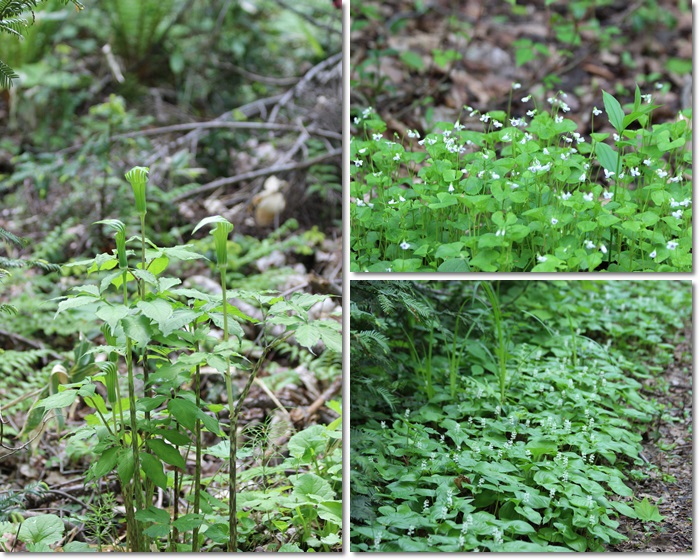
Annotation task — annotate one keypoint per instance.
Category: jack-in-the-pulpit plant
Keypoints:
(528, 193)
(156, 336)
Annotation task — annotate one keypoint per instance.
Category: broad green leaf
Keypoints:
(188, 522)
(59, 400)
(112, 314)
(331, 511)
(73, 303)
(44, 529)
(608, 157)
(624, 509)
(454, 265)
(153, 515)
(157, 310)
(184, 412)
(106, 462)
(307, 335)
(617, 486)
(166, 452)
(138, 329)
(646, 511)
(311, 488)
(125, 466)
(307, 444)
(154, 470)
(615, 113)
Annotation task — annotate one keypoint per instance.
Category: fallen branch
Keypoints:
(226, 181)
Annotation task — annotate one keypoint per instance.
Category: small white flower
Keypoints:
(554, 221)
(358, 163)
(661, 173)
(616, 137)
(678, 214)
(495, 175)
(450, 188)
(405, 246)
(652, 255)
(360, 202)
(658, 85)
(647, 97)
(458, 126)
(541, 259)
(517, 85)
(582, 177)
(609, 174)
(588, 197)
(545, 151)
(607, 195)
(634, 172)
(377, 137)
(603, 249)
(671, 245)
(484, 118)
(596, 111)
(558, 119)
(589, 244)
(356, 120)
(392, 201)
(526, 98)
(565, 196)
(397, 157)
(497, 124)
(647, 162)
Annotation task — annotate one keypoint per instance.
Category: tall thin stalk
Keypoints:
(501, 349)
(220, 232)
(197, 447)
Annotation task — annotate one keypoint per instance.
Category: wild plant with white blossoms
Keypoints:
(528, 192)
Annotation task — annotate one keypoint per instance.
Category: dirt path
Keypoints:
(670, 468)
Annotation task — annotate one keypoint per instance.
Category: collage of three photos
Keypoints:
(373, 276)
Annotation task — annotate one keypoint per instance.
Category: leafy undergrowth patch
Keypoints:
(509, 425)
(526, 193)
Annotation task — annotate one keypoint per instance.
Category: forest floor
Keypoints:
(669, 452)
(629, 45)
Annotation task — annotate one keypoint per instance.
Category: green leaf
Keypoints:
(138, 329)
(184, 412)
(646, 511)
(307, 444)
(166, 452)
(125, 466)
(153, 515)
(106, 462)
(43, 529)
(311, 488)
(331, 511)
(307, 335)
(188, 522)
(154, 470)
(157, 310)
(73, 303)
(413, 60)
(112, 314)
(615, 113)
(623, 508)
(617, 486)
(608, 157)
(59, 400)
(454, 265)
